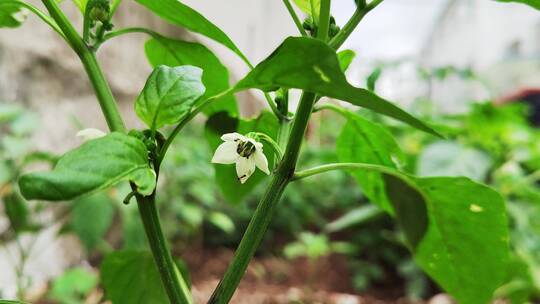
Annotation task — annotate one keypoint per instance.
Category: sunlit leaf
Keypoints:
(306, 5)
(311, 65)
(177, 13)
(95, 165)
(345, 58)
(168, 95)
(215, 77)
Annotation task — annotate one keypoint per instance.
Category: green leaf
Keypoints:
(345, 58)
(372, 79)
(221, 123)
(215, 77)
(177, 13)
(81, 4)
(448, 158)
(450, 222)
(11, 14)
(311, 65)
(91, 217)
(94, 166)
(465, 248)
(532, 3)
(131, 277)
(73, 286)
(353, 217)
(222, 221)
(168, 95)
(306, 5)
(362, 141)
(16, 209)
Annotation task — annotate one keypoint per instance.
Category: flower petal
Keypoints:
(261, 161)
(245, 168)
(233, 136)
(225, 153)
(90, 133)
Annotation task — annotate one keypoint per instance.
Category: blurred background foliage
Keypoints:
(323, 217)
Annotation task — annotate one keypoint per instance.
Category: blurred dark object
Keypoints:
(529, 96)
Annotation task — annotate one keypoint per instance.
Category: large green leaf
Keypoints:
(130, 277)
(465, 248)
(215, 77)
(11, 14)
(532, 3)
(91, 217)
(182, 15)
(169, 94)
(456, 229)
(311, 65)
(93, 166)
(362, 141)
(221, 123)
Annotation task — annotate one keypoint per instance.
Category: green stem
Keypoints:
(174, 284)
(263, 214)
(38, 13)
(274, 145)
(324, 20)
(349, 27)
(340, 166)
(295, 18)
(176, 287)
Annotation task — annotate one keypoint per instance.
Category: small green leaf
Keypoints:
(177, 13)
(222, 221)
(345, 58)
(16, 209)
(311, 65)
(73, 286)
(131, 277)
(168, 95)
(11, 14)
(91, 217)
(306, 5)
(532, 3)
(94, 166)
(221, 123)
(372, 79)
(215, 77)
(362, 141)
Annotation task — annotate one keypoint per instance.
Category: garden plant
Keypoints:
(455, 228)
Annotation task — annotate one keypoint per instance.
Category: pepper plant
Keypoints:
(455, 228)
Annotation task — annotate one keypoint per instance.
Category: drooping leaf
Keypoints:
(371, 81)
(16, 209)
(11, 14)
(91, 217)
(462, 221)
(466, 247)
(177, 13)
(135, 271)
(532, 3)
(362, 141)
(169, 94)
(95, 165)
(311, 65)
(345, 58)
(215, 77)
(447, 158)
(221, 123)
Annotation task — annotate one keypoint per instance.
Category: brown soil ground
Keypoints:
(271, 280)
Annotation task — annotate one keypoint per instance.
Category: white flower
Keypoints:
(90, 133)
(243, 151)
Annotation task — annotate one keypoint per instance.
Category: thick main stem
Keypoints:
(173, 282)
(263, 214)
